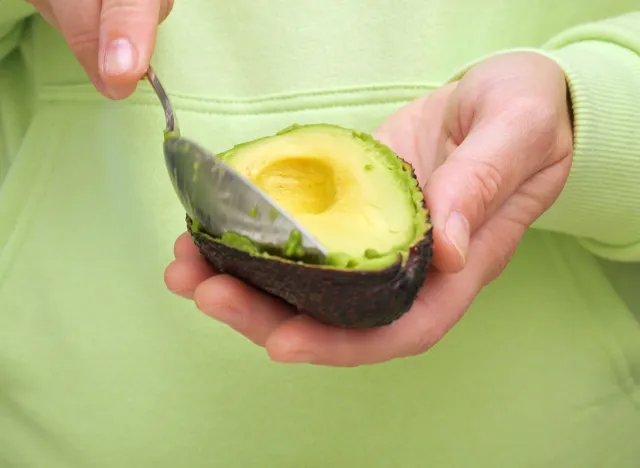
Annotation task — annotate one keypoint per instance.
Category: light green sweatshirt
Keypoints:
(101, 366)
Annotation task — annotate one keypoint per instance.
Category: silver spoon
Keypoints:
(222, 200)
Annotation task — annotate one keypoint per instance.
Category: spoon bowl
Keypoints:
(222, 200)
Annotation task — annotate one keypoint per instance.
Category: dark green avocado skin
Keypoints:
(342, 298)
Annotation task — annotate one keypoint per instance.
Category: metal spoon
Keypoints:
(223, 200)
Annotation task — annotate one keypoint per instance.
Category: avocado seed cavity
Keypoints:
(301, 185)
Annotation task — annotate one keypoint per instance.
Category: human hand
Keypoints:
(112, 39)
(494, 150)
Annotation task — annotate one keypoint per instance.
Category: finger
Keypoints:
(414, 131)
(439, 306)
(78, 22)
(127, 39)
(434, 312)
(184, 247)
(503, 233)
(473, 182)
(250, 312)
(399, 132)
(183, 276)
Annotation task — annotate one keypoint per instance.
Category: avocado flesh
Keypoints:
(351, 193)
(358, 199)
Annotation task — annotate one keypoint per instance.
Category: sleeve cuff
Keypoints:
(601, 200)
(600, 203)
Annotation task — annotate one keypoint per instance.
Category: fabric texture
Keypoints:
(100, 366)
(602, 63)
(11, 14)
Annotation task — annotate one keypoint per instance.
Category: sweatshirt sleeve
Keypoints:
(12, 12)
(600, 203)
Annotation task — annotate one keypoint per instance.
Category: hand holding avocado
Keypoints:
(493, 151)
(112, 39)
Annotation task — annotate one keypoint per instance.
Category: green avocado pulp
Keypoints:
(291, 249)
(353, 194)
(239, 242)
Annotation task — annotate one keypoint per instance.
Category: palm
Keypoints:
(269, 322)
(418, 135)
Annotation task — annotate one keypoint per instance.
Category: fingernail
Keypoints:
(119, 57)
(457, 231)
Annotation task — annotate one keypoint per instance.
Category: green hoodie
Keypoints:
(101, 366)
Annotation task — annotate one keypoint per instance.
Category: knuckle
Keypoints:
(485, 181)
(501, 248)
(117, 11)
(536, 120)
(423, 343)
(174, 285)
(421, 346)
(221, 291)
(83, 41)
(498, 265)
(496, 268)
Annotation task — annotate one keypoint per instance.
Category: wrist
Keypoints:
(602, 186)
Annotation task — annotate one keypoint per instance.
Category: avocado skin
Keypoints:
(338, 297)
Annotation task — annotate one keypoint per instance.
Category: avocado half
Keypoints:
(361, 201)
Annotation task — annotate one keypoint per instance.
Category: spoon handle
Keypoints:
(169, 115)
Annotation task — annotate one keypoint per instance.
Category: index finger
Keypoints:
(127, 38)
(439, 306)
(77, 22)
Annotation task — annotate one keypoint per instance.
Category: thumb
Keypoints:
(472, 183)
(127, 39)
